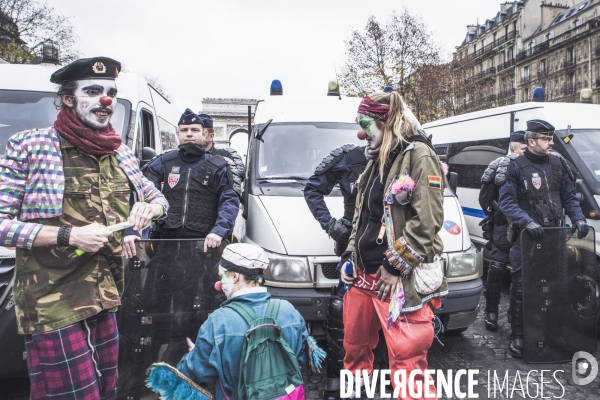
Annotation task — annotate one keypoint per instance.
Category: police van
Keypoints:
(145, 119)
(469, 142)
(290, 137)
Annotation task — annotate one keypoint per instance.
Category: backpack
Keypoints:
(268, 367)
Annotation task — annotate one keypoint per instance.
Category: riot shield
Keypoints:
(559, 296)
(169, 292)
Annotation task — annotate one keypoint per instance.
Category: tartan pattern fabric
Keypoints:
(62, 365)
(32, 184)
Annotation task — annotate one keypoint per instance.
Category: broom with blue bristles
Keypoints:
(171, 384)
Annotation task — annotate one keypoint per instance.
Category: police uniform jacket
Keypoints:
(321, 183)
(228, 203)
(517, 184)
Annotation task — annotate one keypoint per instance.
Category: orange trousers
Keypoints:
(407, 341)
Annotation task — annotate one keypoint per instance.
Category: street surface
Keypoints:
(476, 348)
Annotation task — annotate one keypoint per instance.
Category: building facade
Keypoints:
(528, 44)
(229, 116)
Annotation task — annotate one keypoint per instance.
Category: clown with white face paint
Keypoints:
(48, 219)
(400, 212)
(94, 101)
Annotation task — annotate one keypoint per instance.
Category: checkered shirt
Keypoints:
(32, 184)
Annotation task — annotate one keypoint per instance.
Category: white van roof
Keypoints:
(307, 109)
(578, 115)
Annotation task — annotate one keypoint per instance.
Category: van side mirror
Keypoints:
(453, 181)
(148, 153)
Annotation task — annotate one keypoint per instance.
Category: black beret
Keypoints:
(517, 137)
(87, 68)
(540, 126)
(189, 117)
(207, 121)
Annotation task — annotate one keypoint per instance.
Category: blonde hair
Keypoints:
(398, 125)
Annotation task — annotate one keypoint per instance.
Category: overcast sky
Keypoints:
(235, 48)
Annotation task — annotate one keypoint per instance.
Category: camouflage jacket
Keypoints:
(54, 287)
(32, 184)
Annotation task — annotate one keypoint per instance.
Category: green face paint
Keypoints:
(365, 123)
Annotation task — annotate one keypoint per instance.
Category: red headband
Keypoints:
(373, 110)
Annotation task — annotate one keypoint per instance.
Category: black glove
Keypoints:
(338, 230)
(535, 230)
(582, 228)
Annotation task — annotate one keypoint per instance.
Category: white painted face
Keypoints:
(374, 135)
(95, 102)
(227, 282)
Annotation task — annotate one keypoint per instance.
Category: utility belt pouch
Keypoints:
(499, 218)
(512, 233)
(339, 248)
(544, 214)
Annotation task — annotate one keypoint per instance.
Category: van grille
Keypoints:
(330, 271)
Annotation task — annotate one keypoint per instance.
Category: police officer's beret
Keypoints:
(189, 117)
(207, 121)
(517, 137)
(540, 126)
(87, 68)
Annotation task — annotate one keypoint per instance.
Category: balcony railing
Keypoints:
(525, 79)
(507, 94)
(495, 43)
(506, 64)
(533, 50)
(598, 51)
(542, 72)
(570, 89)
(569, 63)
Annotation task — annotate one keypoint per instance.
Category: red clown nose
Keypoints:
(106, 101)
(218, 287)
(362, 135)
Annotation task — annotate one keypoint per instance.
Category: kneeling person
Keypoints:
(217, 353)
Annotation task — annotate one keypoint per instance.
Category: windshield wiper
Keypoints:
(274, 178)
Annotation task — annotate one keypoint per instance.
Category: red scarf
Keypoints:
(96, 143)
(373, 110)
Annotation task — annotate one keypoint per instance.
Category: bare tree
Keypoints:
(386, 55)
(31, 23)
(401, 54)
(156, 84)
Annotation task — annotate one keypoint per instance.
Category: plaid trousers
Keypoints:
(78, 361)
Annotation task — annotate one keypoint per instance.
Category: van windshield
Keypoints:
(293, 150)
(586, 143)
(24, 110)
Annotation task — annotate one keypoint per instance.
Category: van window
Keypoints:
(295, 149)
(22, 110)
(145, 132)
(470, 159)
(587, 145)
(168, 134)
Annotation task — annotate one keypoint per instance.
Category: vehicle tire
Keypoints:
(455, 332)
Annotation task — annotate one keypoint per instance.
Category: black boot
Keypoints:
(515, 347)
(492, 294)
(335, 348)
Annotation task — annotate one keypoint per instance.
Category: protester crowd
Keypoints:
(65, 186)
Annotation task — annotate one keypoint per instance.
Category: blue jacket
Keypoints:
(218, 350)
(229, 201)
(319, 186)
(514, 184)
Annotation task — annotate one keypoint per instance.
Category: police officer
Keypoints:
(231, 156)
(533, 193)
(497, 226)
(342, 166)
(199, 188)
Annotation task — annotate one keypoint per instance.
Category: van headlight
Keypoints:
(466, 263)
(287, 269)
